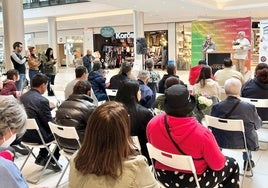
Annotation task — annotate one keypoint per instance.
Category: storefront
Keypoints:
(116, 49)
(120, 47)
(157, 47)
(183, 45)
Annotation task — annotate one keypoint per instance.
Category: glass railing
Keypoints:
(28, 4)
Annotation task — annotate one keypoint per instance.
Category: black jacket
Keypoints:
(74, 112)
(255, 89)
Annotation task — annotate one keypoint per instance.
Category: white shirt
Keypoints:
(242, 53)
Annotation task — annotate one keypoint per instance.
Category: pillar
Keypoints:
(13, 22)
(138, 23)
(52, 35)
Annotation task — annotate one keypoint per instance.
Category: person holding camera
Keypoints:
(19, 64)
(208, 46)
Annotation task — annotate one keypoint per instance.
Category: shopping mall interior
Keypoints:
(168, 26)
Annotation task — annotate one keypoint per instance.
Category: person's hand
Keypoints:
(18, 94)
(52, 105)
(107, 84)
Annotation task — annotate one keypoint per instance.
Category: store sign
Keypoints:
(124, 35)
(107, 31)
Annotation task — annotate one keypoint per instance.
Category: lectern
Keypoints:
(215, 59)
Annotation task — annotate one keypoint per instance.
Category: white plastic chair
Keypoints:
(95, 100)
(65, 133)
(259, 103)
(111, 93)
(32, 125)
(181, 162)
(236, 125)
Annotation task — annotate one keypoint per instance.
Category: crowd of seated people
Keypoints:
(131, 115)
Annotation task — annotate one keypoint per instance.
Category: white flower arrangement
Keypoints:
(203, 102)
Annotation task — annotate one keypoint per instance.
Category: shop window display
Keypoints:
(183, 46)
(157, 48)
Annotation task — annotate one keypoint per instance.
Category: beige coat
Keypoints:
(136, 174)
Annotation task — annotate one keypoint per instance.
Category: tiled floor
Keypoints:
(50, 180)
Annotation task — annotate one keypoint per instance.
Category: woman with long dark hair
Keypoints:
(129, 94)
(49, 68)
(205, 85)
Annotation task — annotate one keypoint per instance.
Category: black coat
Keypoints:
(74, 112)
(255, 89)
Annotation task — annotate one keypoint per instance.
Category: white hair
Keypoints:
(232, 86)
(242, 33)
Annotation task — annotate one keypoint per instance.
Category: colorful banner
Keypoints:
(263, 50)
(223, 33)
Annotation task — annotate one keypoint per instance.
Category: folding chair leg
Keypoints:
(29, 154)
(62, 174)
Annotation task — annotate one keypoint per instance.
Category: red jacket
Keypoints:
(194, 74)
(193, 138)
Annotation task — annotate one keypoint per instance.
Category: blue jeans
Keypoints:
(20, 82)
(31, 75)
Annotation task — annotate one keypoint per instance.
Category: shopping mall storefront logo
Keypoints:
(124, 35)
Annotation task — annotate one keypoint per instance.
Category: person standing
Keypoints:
(19, 64)
(49, 69)
(208, 46)
(88, 59)
(241, 51)
(33, 63)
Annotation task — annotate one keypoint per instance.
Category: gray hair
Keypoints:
(143, 74)
(232, 86)
(12, 115)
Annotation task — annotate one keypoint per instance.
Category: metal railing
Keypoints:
(29, 4)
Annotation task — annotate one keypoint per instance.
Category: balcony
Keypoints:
(29, 4)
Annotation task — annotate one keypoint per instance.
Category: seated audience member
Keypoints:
(147, 98)
(154, 76)
(171, 71)
(80, 74)
(37, 107)
(106, 158)
(227, 72)
(205, 84)
(193, 139)
(97, 81)
(9, 85)
(75, 110)
(12, 122)
(195, 72)
(124, 74)
(233, 108)
(160, 100)
(129, 94)
(258, 88)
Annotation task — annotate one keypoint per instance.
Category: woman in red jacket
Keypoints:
(192, 139)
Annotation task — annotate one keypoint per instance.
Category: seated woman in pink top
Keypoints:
(193, 139)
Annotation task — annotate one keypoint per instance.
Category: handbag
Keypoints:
(174, 143)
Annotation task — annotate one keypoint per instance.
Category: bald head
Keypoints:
(232, 86)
